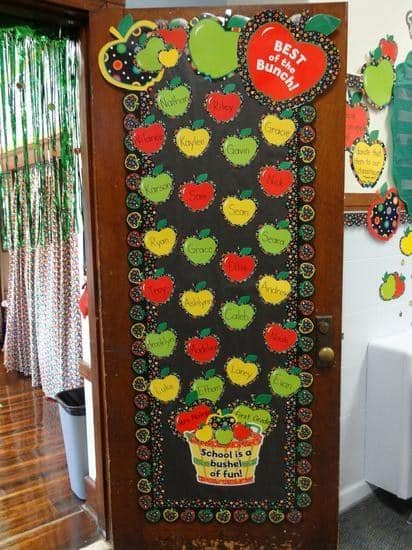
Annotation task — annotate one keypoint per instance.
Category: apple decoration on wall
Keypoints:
(238, 266)
(367, 158)
(392, 287)
(166, 387)
(276, 181)
(198, 194)
(357, 119)
(378, 79)
(383, 214)
(204, 348)
(199, 301)
(280, 67)
(174, 100)
(389, 48)
(209, 387)
(159, 288)
(224, 106)
(240, 150)
(150, 137)
(157, 187)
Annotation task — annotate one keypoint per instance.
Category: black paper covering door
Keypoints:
(219, 132)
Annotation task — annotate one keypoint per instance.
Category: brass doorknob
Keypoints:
(326, 355)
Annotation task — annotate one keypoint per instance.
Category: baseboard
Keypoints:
(349, 496)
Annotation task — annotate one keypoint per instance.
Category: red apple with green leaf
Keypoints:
(150, 137)
(199, 194)
(223, 106)
(357, 119)
(158, 289)
(276, 181)
(204, 348)
(389, 48)
(280, 338)
(190, 420)
(238, 266)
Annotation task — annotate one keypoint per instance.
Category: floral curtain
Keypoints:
(40, 193)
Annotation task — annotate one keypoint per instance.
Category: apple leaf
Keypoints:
(384, 189)
(262, 399)
(149, 119)
(191, 397)
(237, 22)
(209, 373)
(283, 224)
(245, 251)
(164, 372)
(201, 177)
(325, 24)
(356, 98)
(246, 193)
(159, 272)
(143, 38)
(226, 411)
(161, 224)
(200, 286)
(282, 275)
(229, 88)
(377, 54)
(390, 38)
(175, 82)
(287, 113)
(198, 124)
(125, 24)
(294, 370)
(245, 132)
(243, 300)
(373, 136)
(161, 327)
(290, 324)
(205, 332)
(157, 170)
(250, 358)
(284, 165)
(203, 233)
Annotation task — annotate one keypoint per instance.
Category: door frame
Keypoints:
(127, 523)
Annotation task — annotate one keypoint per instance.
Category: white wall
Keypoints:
(365, 259)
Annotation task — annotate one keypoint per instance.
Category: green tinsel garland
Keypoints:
(39, 122)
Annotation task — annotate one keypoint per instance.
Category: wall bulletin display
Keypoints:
(220, 130)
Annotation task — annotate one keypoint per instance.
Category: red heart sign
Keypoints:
(281, 67)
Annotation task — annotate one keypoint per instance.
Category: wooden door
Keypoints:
(170, 490)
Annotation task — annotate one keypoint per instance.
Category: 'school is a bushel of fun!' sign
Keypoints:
(219, 133)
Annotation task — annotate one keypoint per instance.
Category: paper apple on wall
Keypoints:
(174, 101)
(223, 106)
(204, 348)
(242, 371)
(114, 59)
(240, 150)
(175, 34)
(209, 387)
(392, 287)
(150, 137)
(274, 290)
(159, 288)
(160, 241)
(283, 383)
(239, 211)
(193, 418)
(367, 158)
(378, 80)
(278, 130)
(165, 388)
(161, 343)
(193, 142)
(213, 50)
(158, 187)
(280, 339)
(197, 302)
(238, 315)
(238, 266)
(199, 194)
(389, 48)
(405, 243)
(276, 181)
(200, 250)
(274, 239)
(357, 119)
(383, 215)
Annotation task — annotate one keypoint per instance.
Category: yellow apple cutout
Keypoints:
(169, 58)
(240, 211)
(277, 131)
(368, 159)
(166, 388)
(197, 302)
(242, 372)
(274, 290)
(160, 241)
(193, 142)
(406, 242)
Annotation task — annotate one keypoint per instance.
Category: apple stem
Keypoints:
(114, 32)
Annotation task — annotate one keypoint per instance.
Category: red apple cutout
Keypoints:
(177, 37)
(197, 195)
(280, 338)
(357, 120)
(276, 182)
(189, 421)
(158, 289)
(149, 138)
(281, 67)
(241, 432)
(238, 267)
(202, 349)
(223, 106)
(389, 48)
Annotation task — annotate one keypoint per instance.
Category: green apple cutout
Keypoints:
(174, 101)
(378, 80)
(201, 249)
(240, 151)
(224, 436)
(238, 316)
(148, 58)
(284, 384)
(213, 49)
(255, 416)
(210, 387)
(274, 239)
(158, 187)
(162, 342)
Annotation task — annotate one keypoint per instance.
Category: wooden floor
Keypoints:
(37, 508)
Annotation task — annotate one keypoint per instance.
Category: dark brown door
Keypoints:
(287, 491)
